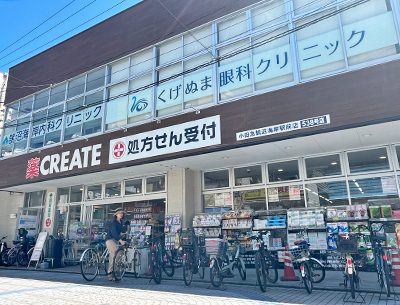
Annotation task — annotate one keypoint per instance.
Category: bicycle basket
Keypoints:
(296, 251)
(216, 246)
(187, 237)
(347, 245)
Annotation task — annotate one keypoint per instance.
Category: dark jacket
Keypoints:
(114, 230)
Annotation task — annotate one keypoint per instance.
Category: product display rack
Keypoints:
(208, 224)
(172, 225)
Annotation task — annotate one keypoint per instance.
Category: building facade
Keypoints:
(206, 106)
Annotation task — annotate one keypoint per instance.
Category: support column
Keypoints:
(184, 194)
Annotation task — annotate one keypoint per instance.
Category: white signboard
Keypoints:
(48, 212)
(37, 251)
(284, 127)
(191, 135)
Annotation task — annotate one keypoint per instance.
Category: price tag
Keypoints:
(383, 219)
(335, 218)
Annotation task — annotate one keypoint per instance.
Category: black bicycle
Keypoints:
(266, 263)
(160, 260)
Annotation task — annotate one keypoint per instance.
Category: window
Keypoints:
(26, 106)
(216, 179)
(12, 111)
(233, 27)
(169, 93)
(41, 100)
(198, 84)
(95, 80)
(323, 166)
(320, 46)
(34, 199)
(327, 194)
(368, 160)
(94, 191)
(363, 26)
(140, 102)
(272, 61)
(118, 71)
(54, 125)
(218, 201)
(169, 51)
(250, 199)
(38, 129)
(282, 171)
(197, 40)
(73, 124)
(76, 193)
(155, 184)
(142, 61)
(21, 135)
(113, 189)
(57, 94)
(248, 175)
(286, 197)
(117, 106)
(303, 6)
(63, 195)
(133, 187)
(93, 113)
(234, 73)
(268, 14)
(8, 140)
(76, 87)
(361, 190)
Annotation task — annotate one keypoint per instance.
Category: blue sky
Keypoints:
(19, 40)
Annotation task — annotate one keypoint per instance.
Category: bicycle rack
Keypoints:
(394, 298)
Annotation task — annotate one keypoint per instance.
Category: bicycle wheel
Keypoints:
(22, 258)
(188, 268)
(385, 277)
(318, 270)
(271, 269)
(106, 262)
(90, 265)
(168, 264)
(261, 272)
(307, 276)
(12, 256)
(352, 287)
(215, 273)
(136, 263)
(4, 258)
(242, 268)
(155, 268)
(119, 265)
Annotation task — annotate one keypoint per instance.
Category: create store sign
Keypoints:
(66, 161)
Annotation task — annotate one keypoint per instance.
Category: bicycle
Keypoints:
(125, 259)
(22, 255)
(380, 255)
(348, 245)
(220, 267)
(312, 270)
(91, 262)
(193, 258)
(265, 262)
(3, 249)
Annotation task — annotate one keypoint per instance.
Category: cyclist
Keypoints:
(114, 236)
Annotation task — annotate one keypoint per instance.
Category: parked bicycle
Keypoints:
(127, 257)
(348, 245)
(221, 264)
(380, 256)
(92, 260)
(194, 257)
(3, 249)
(312, 270)
(266, 263)
(160, 260)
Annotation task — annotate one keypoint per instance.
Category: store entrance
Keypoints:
(139, 213)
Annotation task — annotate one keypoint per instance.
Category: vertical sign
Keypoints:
(48, 212)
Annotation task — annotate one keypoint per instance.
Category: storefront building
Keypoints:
(263, 105)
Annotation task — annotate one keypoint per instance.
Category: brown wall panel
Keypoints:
(351, 99)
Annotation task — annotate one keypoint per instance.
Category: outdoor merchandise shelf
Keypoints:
(207, 224)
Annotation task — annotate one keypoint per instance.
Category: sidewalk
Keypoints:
(332, 279)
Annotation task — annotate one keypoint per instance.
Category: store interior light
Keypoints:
(382, 157)
(280, 170)
(334, 163)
